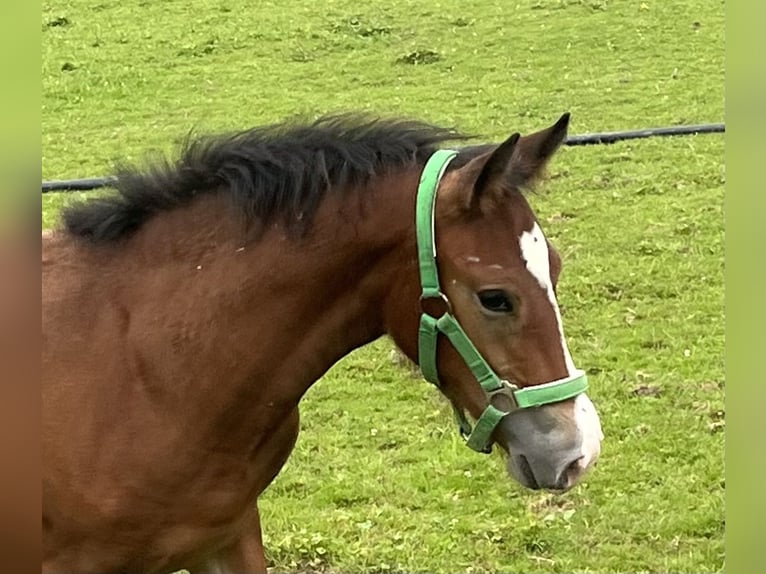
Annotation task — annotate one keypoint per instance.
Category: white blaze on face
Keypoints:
(534, 251)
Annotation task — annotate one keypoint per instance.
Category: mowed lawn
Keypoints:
(379, 480)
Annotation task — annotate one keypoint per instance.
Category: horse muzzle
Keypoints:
(552, 447)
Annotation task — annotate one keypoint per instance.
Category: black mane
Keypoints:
(274, 172)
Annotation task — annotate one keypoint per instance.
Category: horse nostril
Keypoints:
(570, 474)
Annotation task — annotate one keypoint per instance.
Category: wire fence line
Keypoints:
(86, 184)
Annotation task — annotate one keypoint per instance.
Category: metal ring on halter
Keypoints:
(435, 306)
(507, 390)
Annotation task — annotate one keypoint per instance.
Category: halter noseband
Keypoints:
(437, 318)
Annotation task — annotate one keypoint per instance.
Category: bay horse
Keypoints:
(186, 315)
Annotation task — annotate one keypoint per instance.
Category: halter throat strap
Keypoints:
(437, 318)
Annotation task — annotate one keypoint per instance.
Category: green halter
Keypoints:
(437, 318)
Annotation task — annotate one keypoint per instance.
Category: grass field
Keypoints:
(379, 481)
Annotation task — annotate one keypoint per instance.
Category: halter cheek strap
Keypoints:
(437, 318)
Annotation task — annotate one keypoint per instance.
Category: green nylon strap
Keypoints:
(480, 438)
(427, 339)
(552, 392)
(487, 378)
(424, 220)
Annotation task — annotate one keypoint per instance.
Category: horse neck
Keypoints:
(265, 319)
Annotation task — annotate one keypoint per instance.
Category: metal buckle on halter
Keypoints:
(508, 390)
(435, 306)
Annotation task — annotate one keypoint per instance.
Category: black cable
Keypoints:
(78, 184)
(611, 137)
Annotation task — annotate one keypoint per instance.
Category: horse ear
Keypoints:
(495, 167)
(533, 152)
(518, 161)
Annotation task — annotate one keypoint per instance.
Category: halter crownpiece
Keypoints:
(437, 317)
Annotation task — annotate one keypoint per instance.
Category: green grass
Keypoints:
(379, 480)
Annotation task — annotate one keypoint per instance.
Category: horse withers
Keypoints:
(185, 316)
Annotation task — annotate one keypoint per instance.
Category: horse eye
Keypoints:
(496, 300)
